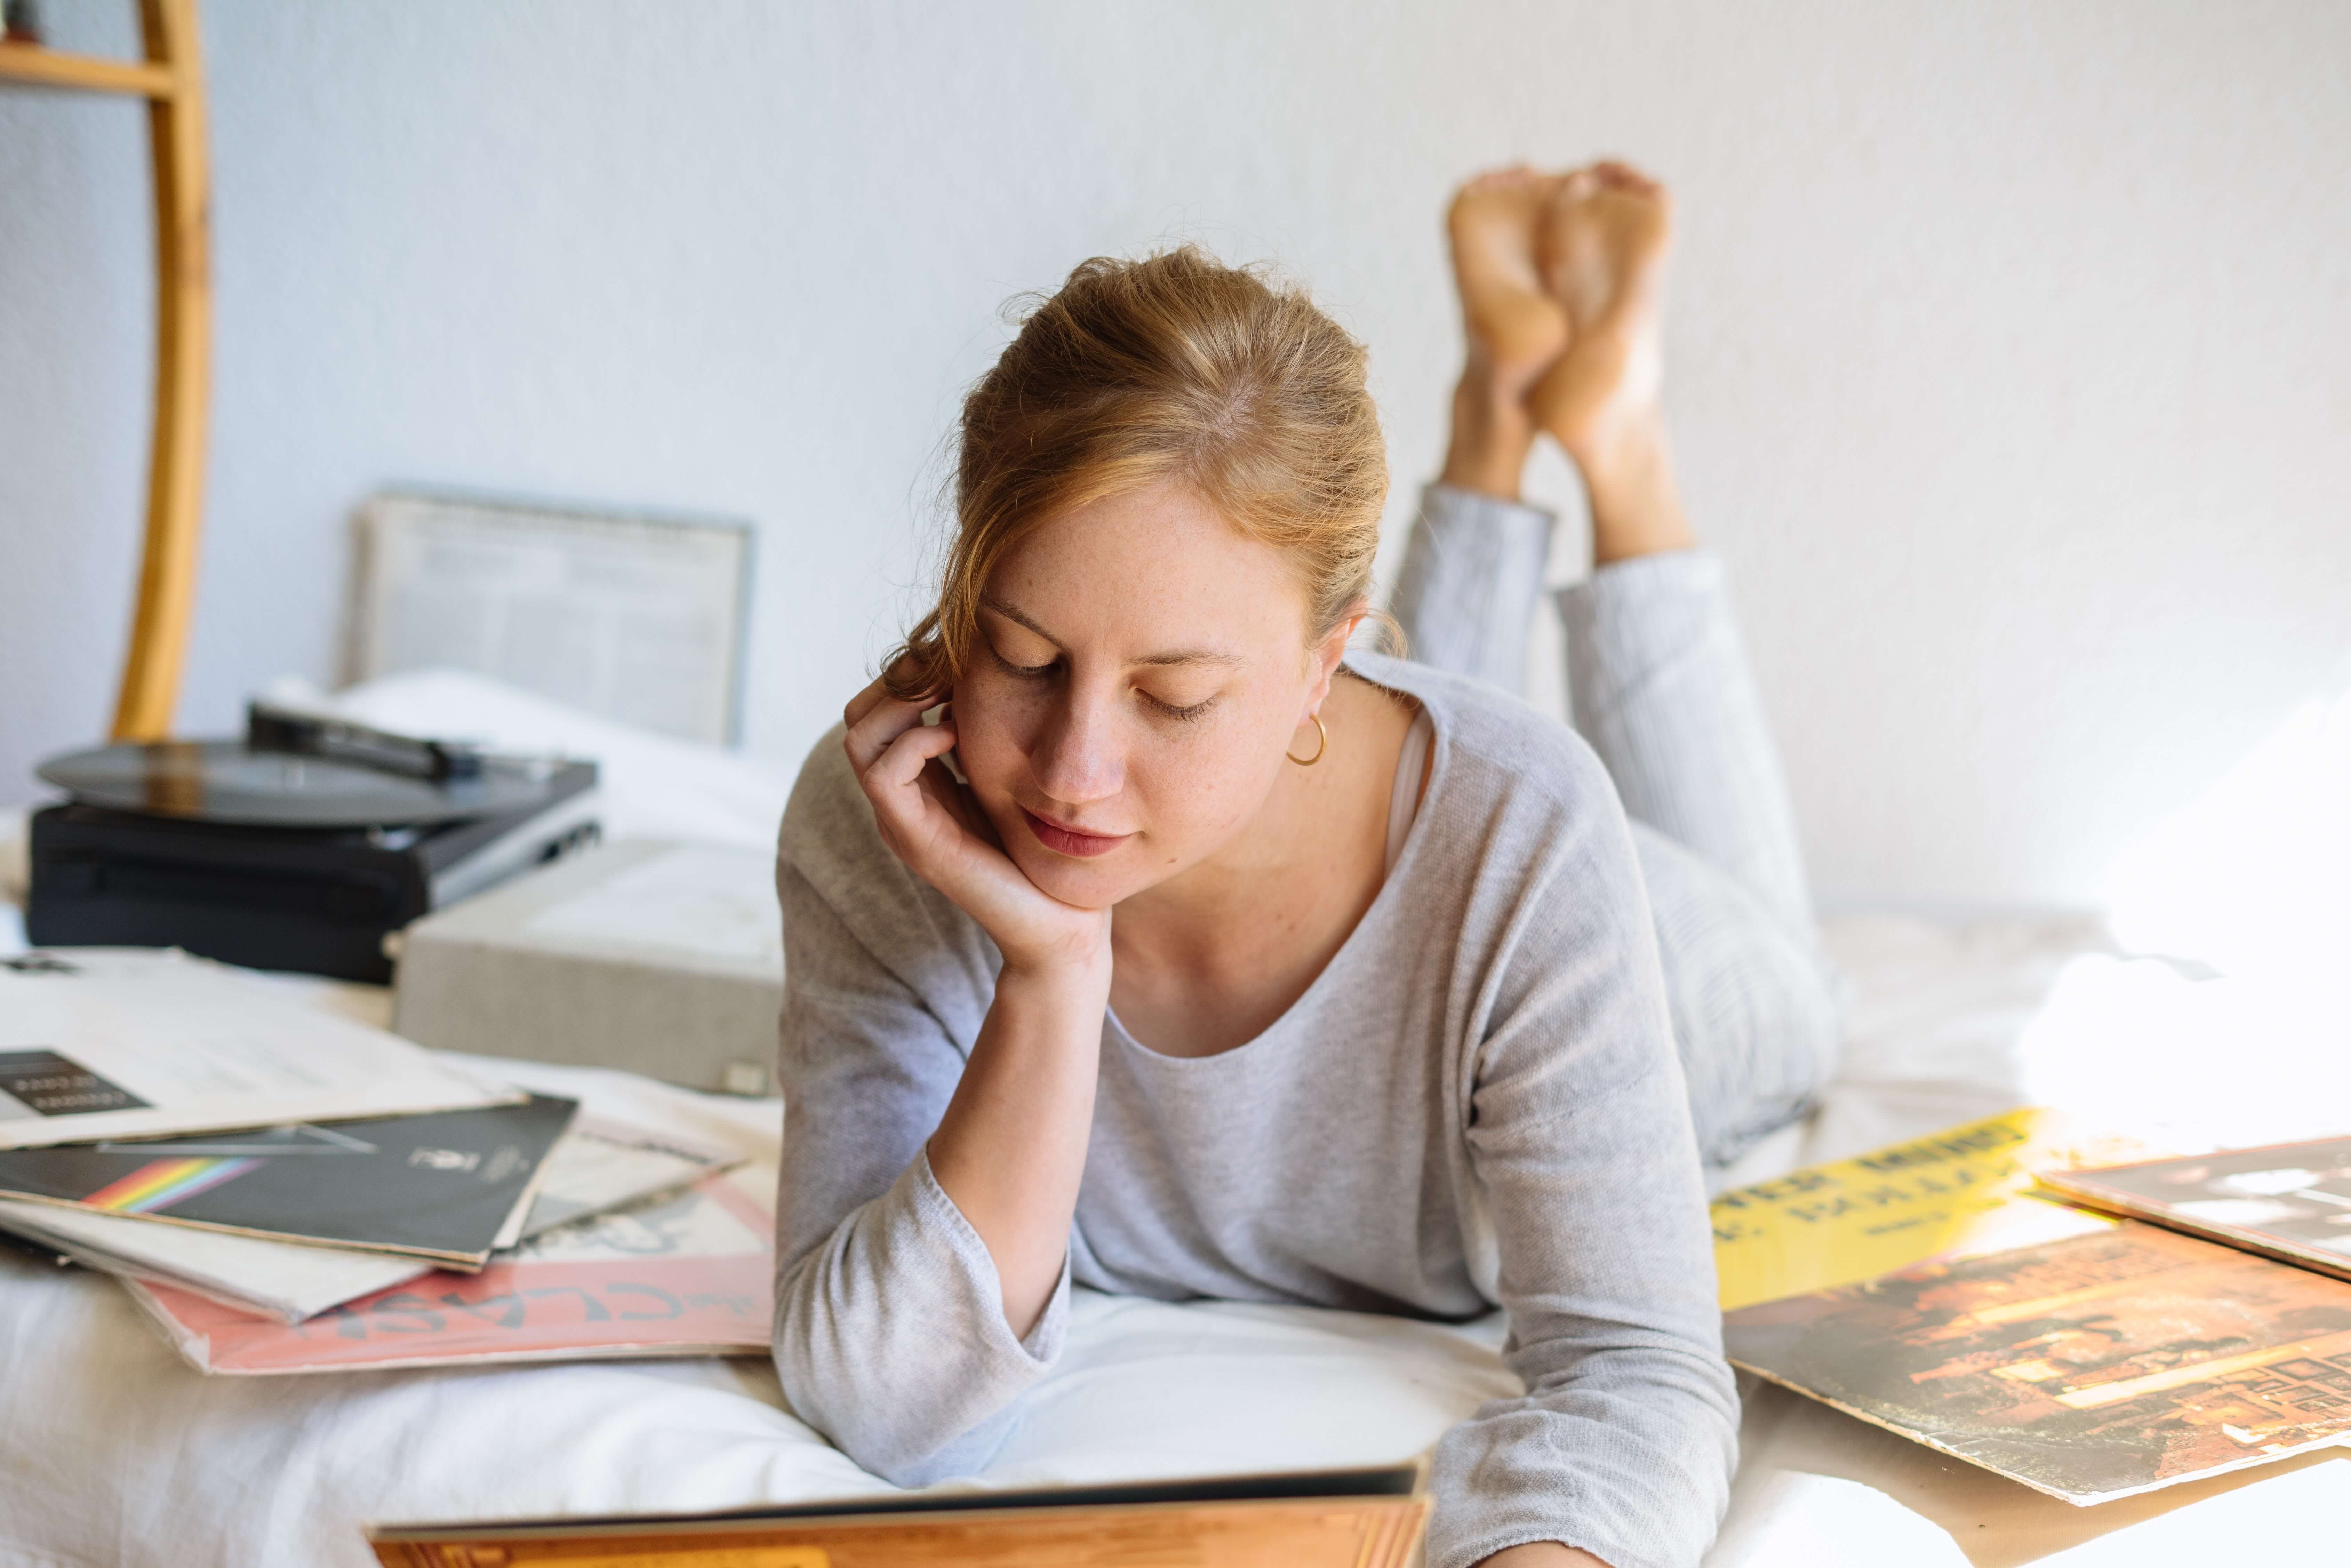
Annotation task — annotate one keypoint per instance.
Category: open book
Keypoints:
(1328, 1519)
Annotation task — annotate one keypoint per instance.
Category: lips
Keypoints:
(1064, 841)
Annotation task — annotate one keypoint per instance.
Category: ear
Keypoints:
(1324, 656)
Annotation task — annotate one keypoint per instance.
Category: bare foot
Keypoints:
(1602, 250)
(1516, 328)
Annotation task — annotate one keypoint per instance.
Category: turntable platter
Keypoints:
(228, 782)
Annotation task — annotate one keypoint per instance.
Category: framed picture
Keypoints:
(634, 616)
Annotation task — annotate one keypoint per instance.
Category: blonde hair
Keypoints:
(1172, 367)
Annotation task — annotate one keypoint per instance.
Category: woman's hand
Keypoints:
(934, 826)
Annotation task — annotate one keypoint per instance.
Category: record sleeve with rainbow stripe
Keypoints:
(448, 1185)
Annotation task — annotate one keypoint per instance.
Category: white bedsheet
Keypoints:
(112, 1451)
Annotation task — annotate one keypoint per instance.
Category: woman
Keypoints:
(1189, 953)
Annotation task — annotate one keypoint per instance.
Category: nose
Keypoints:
(1078, 757)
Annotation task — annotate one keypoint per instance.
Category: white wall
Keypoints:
(2008, 363)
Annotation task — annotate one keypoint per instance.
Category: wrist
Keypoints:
(1075, 971)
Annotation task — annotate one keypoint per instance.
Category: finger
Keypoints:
(905, 757)
(875, 693)
(942, 788)
(921, 811)
(880, 727)
(902, 670)
(914, 801)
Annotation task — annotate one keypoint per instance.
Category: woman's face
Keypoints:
(1141, 670)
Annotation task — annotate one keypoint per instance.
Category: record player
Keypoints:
(301, 846)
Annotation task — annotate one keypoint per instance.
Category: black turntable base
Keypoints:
(300, 847)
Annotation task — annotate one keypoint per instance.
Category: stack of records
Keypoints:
(286, 1191)
(2174, 1319)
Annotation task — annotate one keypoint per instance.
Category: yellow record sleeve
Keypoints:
(1960, 1192)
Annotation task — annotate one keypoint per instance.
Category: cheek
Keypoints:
(996, 723)
(1199, 787)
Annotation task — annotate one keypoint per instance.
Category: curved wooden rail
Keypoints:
(172, 80)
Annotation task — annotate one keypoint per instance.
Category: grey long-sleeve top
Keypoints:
(1475, 1104)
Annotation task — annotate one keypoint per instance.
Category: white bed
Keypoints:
(114, 1452)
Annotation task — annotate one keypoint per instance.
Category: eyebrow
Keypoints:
(1172, 656)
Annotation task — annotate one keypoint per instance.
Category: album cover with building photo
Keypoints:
(2291, 1201)
(2089, 1368)
(450, 1186)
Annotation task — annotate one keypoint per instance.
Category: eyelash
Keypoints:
(1180, 714)
(1040, 672)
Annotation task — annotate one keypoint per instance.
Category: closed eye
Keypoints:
(1027, 672)
(1181, 715)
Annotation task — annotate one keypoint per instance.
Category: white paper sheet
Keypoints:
(127, 1043)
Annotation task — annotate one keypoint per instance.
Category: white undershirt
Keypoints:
(1403, 800)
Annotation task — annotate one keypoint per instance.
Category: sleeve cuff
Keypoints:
(891, 1338)
(1043, 1345)
(1447, 505)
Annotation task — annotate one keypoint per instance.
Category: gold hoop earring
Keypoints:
(1325, 743)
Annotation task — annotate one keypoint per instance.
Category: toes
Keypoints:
(1619, 175)
(1497, 179)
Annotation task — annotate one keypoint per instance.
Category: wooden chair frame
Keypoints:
(170, 79)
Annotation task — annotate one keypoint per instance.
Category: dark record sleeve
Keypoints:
(441, 1186)
(2287, 1201)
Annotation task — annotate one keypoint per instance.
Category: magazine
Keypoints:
(2089, 1368)
(595, 1166)
(1329, 1518)
(2287, 1201)
(122, 1043)
(1964, 1190)
(451, 1187)
(685, 1275)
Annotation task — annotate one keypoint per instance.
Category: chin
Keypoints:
(1081, 885)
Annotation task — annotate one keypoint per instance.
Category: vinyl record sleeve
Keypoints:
(448, 1185)
(1329, 1518)
(2091, 1369)
(1951, 1194)
(691, 1274)
(2287, 1201)
(598, 1165)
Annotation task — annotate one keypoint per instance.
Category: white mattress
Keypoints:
(112, 1451)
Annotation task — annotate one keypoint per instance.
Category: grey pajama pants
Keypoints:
(1660, 688)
